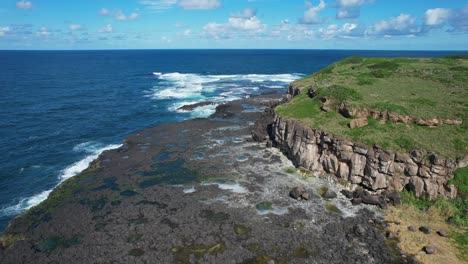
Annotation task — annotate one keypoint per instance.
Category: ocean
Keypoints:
(61, 109)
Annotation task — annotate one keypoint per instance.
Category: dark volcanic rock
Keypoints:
(297, 192)
(412, 228)
(362, 196)
(425, 229)
(347, 193)
(190, 107)
(329, 194)
(394, 198)
(189, 192)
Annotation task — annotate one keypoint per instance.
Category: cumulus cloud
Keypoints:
(350, 8)
(311, 14)
(4, 30)
(402, 25)
(242, 23)
(75, 27)
(24, 4)
(436, 16)
(106, 29)
(292, 32)
(348, 30)
(185, 4)
(119, 15)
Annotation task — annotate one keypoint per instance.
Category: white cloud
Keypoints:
(199, 4)
(159, 5)
(350, 8)
(106, 29)
(187, 32)
(237, 24)
(311, 15)
(348, 30)
(24, 4)
(436, 16)
(104, 11)
(4, 30)
(292, 32)
(44, 32)
(75, 27)
(185, 4)
(119, 15)
(402, 25)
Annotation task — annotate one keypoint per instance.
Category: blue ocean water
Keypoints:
(60, 109)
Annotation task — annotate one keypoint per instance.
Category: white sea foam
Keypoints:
(233, 187)
(72, 170)
(197, 87)
(81, 165)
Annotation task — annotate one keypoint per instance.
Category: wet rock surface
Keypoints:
(198, 191)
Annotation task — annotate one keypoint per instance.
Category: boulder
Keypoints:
(394, 198)
(429, 250)
(297, 192)
(305, 196)
(358, 122)
(412, 228)
(416, 185)
(426, 230)
(442, 233)
(329, 194)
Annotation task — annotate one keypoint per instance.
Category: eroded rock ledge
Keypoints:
(425, 173)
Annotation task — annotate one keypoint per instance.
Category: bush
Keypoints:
(339, 93)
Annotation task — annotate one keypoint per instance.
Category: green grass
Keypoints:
(447, 209)
(421, 88)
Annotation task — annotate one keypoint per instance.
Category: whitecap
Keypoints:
(72, 170)
(233, 187)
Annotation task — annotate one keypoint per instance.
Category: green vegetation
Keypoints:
(420, 88)
(447, 211)
(8, 240)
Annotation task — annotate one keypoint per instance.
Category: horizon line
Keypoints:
(176, 49)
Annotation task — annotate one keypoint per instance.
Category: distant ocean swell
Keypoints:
(180, 89)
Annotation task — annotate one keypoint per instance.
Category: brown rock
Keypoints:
(297, 192)
(417, 186)
(305, 196)
(429, 250)
(358, 122)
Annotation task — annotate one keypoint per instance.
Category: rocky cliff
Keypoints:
(425, 173)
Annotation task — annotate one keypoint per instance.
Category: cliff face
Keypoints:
(374, 168)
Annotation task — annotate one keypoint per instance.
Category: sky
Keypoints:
(242, 24)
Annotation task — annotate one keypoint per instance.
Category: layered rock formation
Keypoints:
(425, 173)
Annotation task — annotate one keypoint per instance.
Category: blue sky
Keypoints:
(173, 24)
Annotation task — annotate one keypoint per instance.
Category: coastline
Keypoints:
(243, 201)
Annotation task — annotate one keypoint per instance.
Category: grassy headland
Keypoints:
(421, 88)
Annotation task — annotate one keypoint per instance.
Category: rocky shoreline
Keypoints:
(425, 173)
(198, 191)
